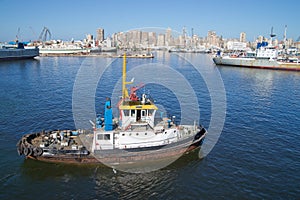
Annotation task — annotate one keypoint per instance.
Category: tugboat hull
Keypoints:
(28, 146)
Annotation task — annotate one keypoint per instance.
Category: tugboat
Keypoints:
(135, 137)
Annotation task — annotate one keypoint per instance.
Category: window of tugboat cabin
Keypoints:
(126, 112)
(144, 113)
(132, 113)
(103, 137)
(150, 112)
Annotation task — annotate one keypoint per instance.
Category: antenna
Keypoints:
(284, 37)
(272, 34)
(18, 35)
(184, 36)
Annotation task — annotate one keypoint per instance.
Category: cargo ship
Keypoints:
(256, 63)
(17, 52)
(266, 56)
(136, 137)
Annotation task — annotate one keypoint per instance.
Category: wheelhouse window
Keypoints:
(103, 136)
(143, 113)
(132, 113)
(150, 112)
(126, 112)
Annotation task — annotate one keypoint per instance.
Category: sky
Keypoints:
(73, 19)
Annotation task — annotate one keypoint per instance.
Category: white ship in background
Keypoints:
(48, 50)
(266, 56)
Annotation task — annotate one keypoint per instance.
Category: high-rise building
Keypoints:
(136, 36)
(144, 39)
(168, 37)
(100, 34)
(181, 41)
(152, 38)
(161, 40)
(242, 37)
(212, 38)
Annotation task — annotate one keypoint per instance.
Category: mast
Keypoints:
(272, 35)
(124, 90)
(284, 37)
(184, 36)
(124, 83)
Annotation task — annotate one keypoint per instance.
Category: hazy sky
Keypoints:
(69, 19)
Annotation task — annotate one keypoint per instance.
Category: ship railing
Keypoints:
(127, 124)
(150, 123)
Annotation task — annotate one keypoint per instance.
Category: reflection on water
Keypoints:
(263, 84)
(134, 186)
(156, 184)
(103, 182)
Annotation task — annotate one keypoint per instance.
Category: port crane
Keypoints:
(18, 35)
(43, 36)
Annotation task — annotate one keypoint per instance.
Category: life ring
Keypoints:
(20, 149)
(26, 151)
(40, 151)
(37, 151)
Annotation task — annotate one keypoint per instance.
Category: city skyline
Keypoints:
(75, 19)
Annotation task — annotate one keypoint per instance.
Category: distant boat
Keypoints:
(189, 50)
(144, 55)
(96, 50)
(13, 52)
(108, 49)
(264, 57)
(51, 50)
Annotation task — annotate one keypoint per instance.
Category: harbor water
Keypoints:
(257, 155)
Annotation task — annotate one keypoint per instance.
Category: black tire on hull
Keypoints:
(20, 149)
(37, 151)
(27, 151)
(199, 134)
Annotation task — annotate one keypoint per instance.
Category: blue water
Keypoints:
(256, 157)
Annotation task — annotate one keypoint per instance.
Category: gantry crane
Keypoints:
(43, 36)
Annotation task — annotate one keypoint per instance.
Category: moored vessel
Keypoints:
(266, 56)
(135, 137)
(18, 52)
(62, 50)
(256, 63)
(138, 55)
